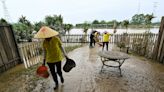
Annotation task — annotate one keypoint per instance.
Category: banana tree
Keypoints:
(147, 38)
(148, 19)
(67, 28)
(115, 25)
(126, 24)
(85, 29)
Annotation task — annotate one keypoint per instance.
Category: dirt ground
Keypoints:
(139, 75)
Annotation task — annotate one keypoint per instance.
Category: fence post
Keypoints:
(159, 47)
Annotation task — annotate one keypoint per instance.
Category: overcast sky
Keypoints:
(78, 11)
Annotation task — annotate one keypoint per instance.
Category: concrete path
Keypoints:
(139, 75)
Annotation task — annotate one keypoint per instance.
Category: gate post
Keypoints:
(159, 47)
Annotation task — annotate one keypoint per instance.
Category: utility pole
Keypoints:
(138, 11)
(154, 8)
(6, 13)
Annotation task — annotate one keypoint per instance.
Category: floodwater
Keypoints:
(139, 75)
(119, 31)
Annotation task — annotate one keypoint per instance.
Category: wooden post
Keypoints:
(9, 54)
(159, 48)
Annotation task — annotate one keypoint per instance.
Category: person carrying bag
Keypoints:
(53, 52)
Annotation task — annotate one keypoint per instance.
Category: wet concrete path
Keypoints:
(139, 75)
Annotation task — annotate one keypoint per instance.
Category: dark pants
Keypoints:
(105, 43)
(53, 67)
(92, 42)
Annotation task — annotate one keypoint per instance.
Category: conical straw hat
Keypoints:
(45, 32)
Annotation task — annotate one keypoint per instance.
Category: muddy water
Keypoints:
(139, 75)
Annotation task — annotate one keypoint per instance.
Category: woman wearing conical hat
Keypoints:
(53, 52)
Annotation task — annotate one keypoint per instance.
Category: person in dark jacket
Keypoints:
(92, 40)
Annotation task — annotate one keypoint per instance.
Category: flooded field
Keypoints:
(139, 75)
(119, 31)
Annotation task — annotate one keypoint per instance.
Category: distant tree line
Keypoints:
(137, 21)
(24, 29)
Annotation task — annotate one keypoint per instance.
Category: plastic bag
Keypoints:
(43, 71)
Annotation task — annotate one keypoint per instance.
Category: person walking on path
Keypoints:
(92, 41)
(106, 36)
(53, 50)
(97, 38)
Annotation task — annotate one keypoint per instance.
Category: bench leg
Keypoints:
(120, 64)
(127, 51)
(118, 61)
(102, 67)
(120, 71)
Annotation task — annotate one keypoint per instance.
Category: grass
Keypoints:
(68, 49)
(12, 72)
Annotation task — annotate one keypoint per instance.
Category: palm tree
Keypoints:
(23, 19)
(85, 29)
(20, 31)
(59, 20)
(95, 22)
(148, 19)
(50, 21)
(27, 27)
(38, 25)
(3, 21)
(68, 27)
(55, 22)
(126, 24)
(59, 23)
(147, 39)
